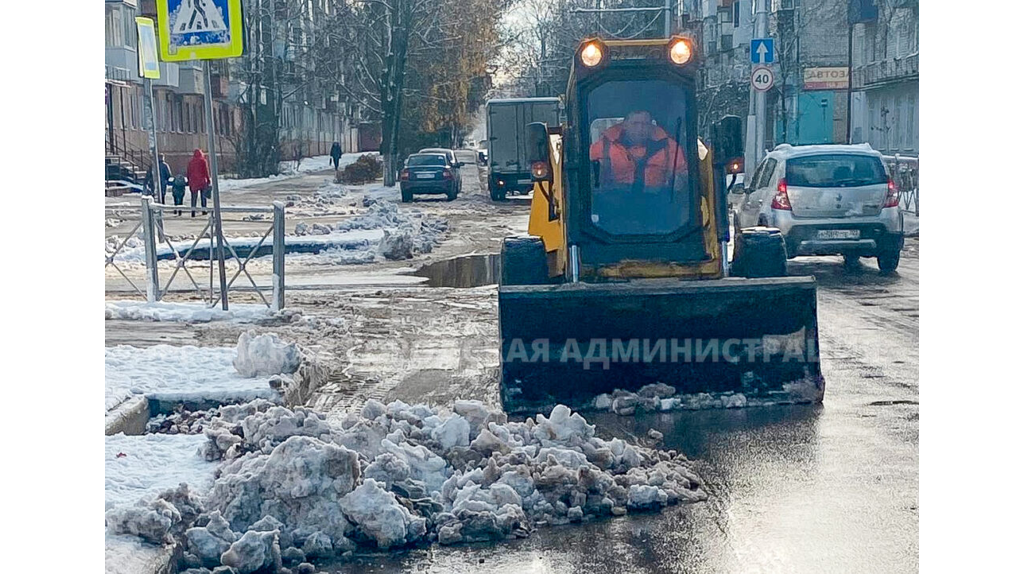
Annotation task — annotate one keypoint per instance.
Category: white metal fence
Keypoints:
(905, 172)
(149, 217)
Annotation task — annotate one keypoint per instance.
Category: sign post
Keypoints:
(149, 69)
(204, 30)
(762, 53)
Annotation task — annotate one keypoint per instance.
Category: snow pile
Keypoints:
(661, 397)
(266, 354)
(184, 312)
(158, 519)
(393, 475)
(288, 170)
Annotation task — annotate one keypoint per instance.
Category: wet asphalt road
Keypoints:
(827, 488)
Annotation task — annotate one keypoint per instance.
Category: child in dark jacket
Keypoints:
(178, 190)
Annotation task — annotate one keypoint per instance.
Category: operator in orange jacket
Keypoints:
(638, 154)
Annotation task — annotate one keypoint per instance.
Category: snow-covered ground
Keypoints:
(166, 372)
(153, 463)
(184, 312)
(288, 170)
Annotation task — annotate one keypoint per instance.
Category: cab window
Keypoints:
(639, 173)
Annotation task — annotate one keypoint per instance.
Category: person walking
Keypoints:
(198, 178)
(178, 191)
(335, 154)
(160, 192)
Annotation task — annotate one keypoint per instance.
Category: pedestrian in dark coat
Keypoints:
(160, 192)
(198, 178)
(335, 154)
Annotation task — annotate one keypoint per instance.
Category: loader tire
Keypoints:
(759, 252)
(524, 262)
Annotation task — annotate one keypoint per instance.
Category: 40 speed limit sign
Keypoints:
(762, 78)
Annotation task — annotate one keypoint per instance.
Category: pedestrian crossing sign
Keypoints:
(199, 29)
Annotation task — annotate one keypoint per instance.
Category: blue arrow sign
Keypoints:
(762, 50)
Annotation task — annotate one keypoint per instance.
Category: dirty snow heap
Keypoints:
(294, 487)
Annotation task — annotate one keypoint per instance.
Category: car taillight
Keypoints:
(446, 173)
(540, 170)
(403, 175)
(892, 195)
(781, 199)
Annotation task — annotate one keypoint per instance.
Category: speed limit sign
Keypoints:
(762, 78)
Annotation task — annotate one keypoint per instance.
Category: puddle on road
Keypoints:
(462, 272)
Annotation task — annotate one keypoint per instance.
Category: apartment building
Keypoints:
(309, 117)
(885, 76)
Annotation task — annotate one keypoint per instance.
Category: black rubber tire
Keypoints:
(759, 252)
(496, 194)
(451, 195)
(524, 262)
(851, 262)
(406, 196)
(888, 261)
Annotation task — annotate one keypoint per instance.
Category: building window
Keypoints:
(115, 27)
(139, 120)
(724, 15)
(911, 122)
(736, 14)
(726, 42)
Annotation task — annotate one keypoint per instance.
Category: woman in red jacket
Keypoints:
(198, 178)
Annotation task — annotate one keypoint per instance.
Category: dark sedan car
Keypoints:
(428, 173)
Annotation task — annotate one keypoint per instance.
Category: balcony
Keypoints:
(886, 71)
(190, 77)
(168, 75)
(122, 64)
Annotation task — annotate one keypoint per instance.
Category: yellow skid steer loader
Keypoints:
(625, 281)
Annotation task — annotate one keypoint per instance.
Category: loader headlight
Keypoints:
(591, 54)
(680, 52)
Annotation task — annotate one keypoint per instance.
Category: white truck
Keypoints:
(506, 141)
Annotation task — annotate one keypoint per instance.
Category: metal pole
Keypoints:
(212, 144)
(149, 241)
(278, 296)
(760, 31)
(668, 18)
(849, 82)
(149, 122)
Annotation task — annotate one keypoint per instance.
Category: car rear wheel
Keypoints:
(452, 194)
(406, 196)
(888, 261)
(851, 261)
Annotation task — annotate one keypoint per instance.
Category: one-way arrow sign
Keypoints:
(762, 51)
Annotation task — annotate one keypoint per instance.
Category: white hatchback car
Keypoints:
(826, 200)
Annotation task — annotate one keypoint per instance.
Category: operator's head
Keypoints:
(637, 126)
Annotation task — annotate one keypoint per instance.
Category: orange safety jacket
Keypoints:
(622, 165)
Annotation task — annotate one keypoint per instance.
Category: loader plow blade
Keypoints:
(568, 343)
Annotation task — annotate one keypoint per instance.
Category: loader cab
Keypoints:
(633, 178)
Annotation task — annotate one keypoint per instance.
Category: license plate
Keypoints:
(424, 176)
(525, 181)
(839, 234)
